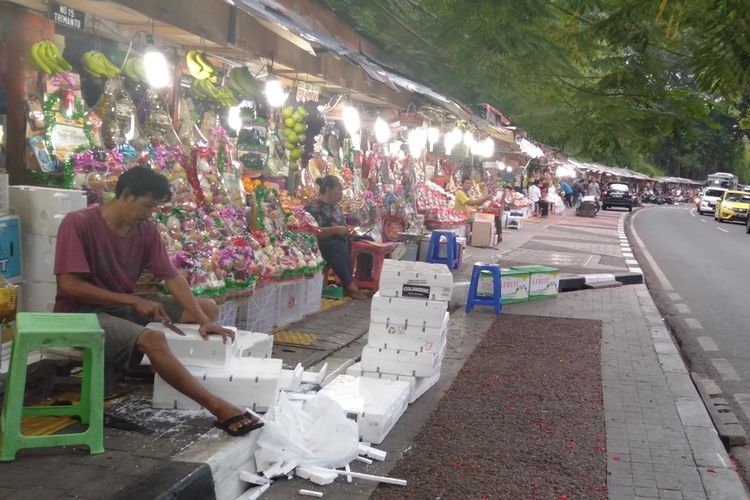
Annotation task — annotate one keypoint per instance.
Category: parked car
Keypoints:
(617, 194)
(709, 197)
(733, 205)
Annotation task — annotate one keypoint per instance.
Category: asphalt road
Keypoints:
(706, 294)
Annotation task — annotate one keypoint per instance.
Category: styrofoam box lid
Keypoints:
(428, 313)
(366, 395)
(402, 272)
(247, 367)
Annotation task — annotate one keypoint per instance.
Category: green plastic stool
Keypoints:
(41, 330)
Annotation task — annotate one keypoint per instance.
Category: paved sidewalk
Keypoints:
(660, 441)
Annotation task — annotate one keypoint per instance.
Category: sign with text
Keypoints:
(72, 18)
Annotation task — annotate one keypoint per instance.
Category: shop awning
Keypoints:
(529, 149)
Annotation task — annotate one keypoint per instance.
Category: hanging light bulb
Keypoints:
(417, 141)
(155, 65)
(275, 94)
(509, 169)
(350, 115)
(382, 130)
(233, 118)
(433, 135)
(394, 148)
(488, 148)
(468, 139)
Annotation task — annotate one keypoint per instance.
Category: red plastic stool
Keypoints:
(362, 251)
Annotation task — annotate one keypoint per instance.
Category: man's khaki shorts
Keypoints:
(122, 326)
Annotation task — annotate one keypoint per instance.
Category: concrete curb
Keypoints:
(581, 282)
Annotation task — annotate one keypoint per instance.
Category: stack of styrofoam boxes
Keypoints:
(41, 211)
(406, 343)
(242, 372)
(258, 312)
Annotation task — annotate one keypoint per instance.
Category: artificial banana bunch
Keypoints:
(242, 82)
(204, 90)
(44, 56)
(134, 69)
(97, 64)
(199, 67)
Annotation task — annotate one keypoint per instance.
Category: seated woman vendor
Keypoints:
(334, 234)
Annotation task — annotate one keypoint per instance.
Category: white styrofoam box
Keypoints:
(192, 349)
(355, 370)
(37, 296)
(417, 385)
(228, 313)
(398, 335)
(415, 313)
(253, 384)
(313, 294)
(376, 404)
(416, 280)
(4, 195)
(38, 256)
(42, 209)
(396, 362)
(258, 312)
(289, 305)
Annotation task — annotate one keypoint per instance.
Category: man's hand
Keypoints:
(151, 310)
(342, 231)
(214, 329)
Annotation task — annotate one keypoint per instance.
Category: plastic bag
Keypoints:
(317, 434)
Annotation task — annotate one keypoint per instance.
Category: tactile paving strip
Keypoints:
(289, 337)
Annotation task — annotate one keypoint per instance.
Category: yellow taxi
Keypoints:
(732, 205)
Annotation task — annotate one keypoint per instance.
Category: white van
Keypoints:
(707, 204)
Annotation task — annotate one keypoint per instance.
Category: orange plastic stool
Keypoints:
(362, 252)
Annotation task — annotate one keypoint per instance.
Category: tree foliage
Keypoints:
(627, 82)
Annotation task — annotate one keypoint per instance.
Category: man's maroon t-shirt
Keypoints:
(87, 246)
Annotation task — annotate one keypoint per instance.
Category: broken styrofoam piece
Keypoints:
(364, 460)
(311, 493)
(251, 478)
(254, 493)
(348, 476)
(279, 469)
(370, 477)
(252, 345)
(410, 315)
(291, 380)
(255, 385)
(398, 362)
(318, 475)
(376, 404)
(419, 280)
(371, 452)
(315, 377)
(423, 385)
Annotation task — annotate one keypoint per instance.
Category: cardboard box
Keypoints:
(514, 285)
(483, 233)
(544, 281)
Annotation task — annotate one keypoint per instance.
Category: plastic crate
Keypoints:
(258, 312)
(228, 313)
(289, 305)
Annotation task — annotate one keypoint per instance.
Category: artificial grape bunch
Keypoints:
(294, 133)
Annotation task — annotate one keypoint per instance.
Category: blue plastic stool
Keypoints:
(451, 246)
(479, 300)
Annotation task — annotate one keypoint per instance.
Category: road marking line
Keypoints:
(631, 262)
(707, 343)
(674, 297)
(682, 308)
(692, 212)
(665, 284)
(722, 230)
(635, 270)
(693, 323)
(703, 220)
(724, 367)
